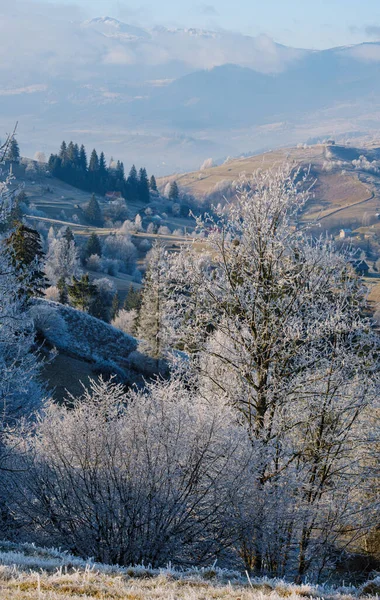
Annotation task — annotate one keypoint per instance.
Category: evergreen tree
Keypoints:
(26, 254)
(133, 299)
(173, 191)
(63, 293)
(82, 293)
(93, 246)
(115, 306)
(68, 235)
(13, 152)
(151, 317)
(93, 172)
(63, 153)
(143, 187)
(83, 159)
(71, 152)
(132, 185)
(94, 162)
(153, 184)
(93, 212)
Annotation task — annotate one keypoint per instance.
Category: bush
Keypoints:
(145, 476)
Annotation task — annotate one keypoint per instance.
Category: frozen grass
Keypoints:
(27, 572)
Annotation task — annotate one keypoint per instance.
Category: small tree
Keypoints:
(132, 299)
(13, 153)
(153, 184)
(25, 248)
(82, 293)
(93, 212)
(115, 306)
(63, 297)
(173, 191)
(93, 246)
(151, 317)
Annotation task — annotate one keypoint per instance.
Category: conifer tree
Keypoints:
(94, 162)
(151, 317)
(133, 299)
(143, 187)
(93, 212)
(115, 306)
(68, 235)
(132, 185)
(83, 159)
(62, 289)
(93, 246)
(13, 153)
(173, 191)
(93, 172)
(63, 152)
(153, 184)
(26, 254)
(82, 293)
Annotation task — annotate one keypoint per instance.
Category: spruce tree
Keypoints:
(133, 299)
(13, 152)
(63, 153)
(26, 254)
(68, 235)
(93, 212)
(83, 159)
(94, 161)
(132, 185)
(62, 289)
(82, 293)
(151, 317)
(153, 184)
(115, 306)
(143, 187)
(93, 172)
(93, 246)
(173, 191)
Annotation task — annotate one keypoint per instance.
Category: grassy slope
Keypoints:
(333, 190)
(27, 572)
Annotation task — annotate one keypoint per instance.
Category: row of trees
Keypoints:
(72, 166)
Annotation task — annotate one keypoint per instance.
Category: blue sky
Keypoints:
(301, 23)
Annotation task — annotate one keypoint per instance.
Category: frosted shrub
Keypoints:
(120, 247)
(94, 263)
(164, 230)
(148, 476)
(126, 321)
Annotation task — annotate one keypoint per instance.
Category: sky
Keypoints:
(298, 23)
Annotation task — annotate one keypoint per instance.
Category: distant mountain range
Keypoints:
(170, 98)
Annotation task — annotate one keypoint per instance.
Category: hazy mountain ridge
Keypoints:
(173, 97)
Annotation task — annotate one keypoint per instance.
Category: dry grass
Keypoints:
(64, 577)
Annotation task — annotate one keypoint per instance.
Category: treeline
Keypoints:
(72, 166)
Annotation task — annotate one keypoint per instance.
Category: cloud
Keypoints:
(373, 31)
(208, 9)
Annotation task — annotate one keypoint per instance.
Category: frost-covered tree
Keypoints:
(20, 392)
(151, 317)
(273, 322)
(121, 248)
(62, 260)
(126, 320)
(152, 475)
